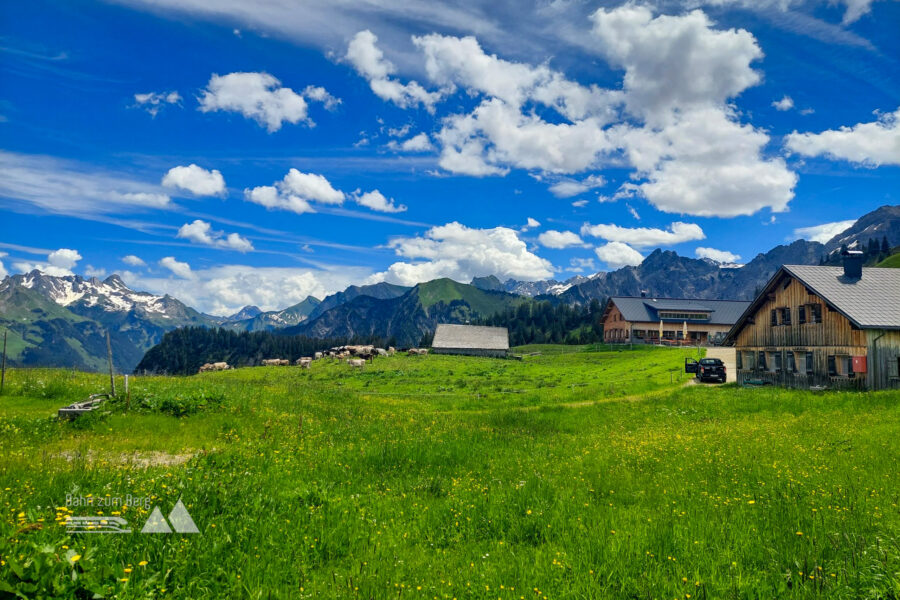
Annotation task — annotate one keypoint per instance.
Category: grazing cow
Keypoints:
(381, 352)
(391, 351)
(304, 362)
(317, 355)
(217, 366)
(417, 351)
(359, 363)
(360, 350)
(276, 362)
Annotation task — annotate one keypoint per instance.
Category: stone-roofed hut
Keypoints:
(471, 340)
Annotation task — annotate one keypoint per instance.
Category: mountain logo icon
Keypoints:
(179, 518)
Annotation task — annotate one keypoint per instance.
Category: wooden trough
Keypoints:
(77, 409)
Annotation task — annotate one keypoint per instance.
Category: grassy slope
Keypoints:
(463, 477)
(447, 290)
(21, 308)
(890, 261)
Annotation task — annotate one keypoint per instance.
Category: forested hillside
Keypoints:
(544, 322)
(183, 351)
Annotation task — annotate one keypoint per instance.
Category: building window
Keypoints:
(738, 357)
(777, 361)
(848, 366)
(762, 360)
(809, 363)
(840, 366)
(801, 315)
(773, 317)
(791, 363)
(815, 313)
(785, 316)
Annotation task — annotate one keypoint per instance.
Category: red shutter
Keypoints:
(859, 364)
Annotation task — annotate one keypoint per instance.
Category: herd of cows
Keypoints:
(355, 356)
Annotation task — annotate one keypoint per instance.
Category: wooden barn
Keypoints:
(629, 319)
(830, 327)
(471, 340)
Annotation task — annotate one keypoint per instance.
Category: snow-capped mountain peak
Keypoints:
(111, 294)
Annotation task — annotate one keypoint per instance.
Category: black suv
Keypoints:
(707, 369)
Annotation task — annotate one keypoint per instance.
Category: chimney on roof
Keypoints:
(643, 293)
(853, 262)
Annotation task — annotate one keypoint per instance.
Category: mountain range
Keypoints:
(63, 321)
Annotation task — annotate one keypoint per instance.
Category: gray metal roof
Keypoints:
(721, 312)
(870, 302)
(471, 336)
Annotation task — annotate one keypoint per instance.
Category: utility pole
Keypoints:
(3, 368)
(112, 378)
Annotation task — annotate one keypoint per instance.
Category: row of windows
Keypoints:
(806, 313)
(794, 362)
(683, 315)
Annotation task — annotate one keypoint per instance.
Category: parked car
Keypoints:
(706, 369)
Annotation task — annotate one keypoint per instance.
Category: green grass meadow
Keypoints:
(579, 472)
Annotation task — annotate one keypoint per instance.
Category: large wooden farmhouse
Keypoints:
(628, 319)
(828, 327)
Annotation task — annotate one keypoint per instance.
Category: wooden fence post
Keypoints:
(3, 368)
(127, 395)
(112, 378)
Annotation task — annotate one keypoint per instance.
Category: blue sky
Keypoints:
(261, 152)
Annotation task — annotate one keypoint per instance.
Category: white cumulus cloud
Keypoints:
(378, 202)
(461, 253)
(369, 61)
(59, 263)
(320, 94)
(225, 289)
(786, 103)
(870, 144)
(202, 232)
(134, 261)
(644, 237)
(673, 118)
(178, 268)
(824, 232)
(559, 239)
(567, 188)
(296, 192)
(257, 96)
(720, 256)
(299, 191)
(618, 254)
(418, 143)
(530, 223)
(196, 180)
(675, 62)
